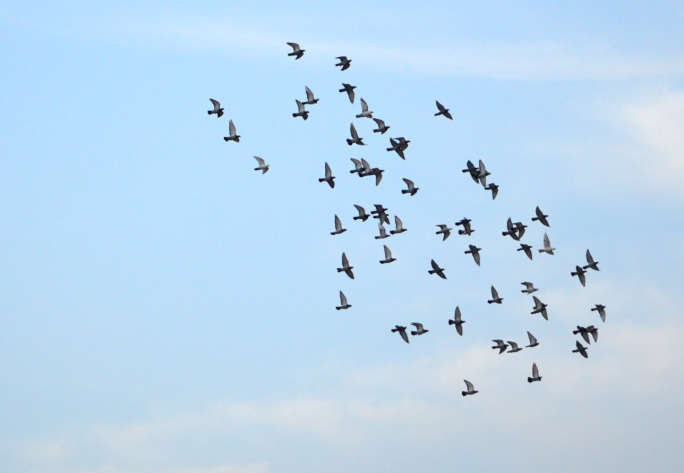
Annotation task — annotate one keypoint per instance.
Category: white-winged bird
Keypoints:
(547, 246)
(338, 227)
(388, 256)
(364, 111)
(301, 111)
(382, 128)
(399, 226)
(500, 345)
(535, 374)
(232, 134)
(310, 100)
(263, 167)
(470, 389)
(533, 340)
(343, 302)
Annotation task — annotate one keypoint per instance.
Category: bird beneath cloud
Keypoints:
(494, 188)
(217, 108)
(443, 230)
(338, 227)
(344, 62)
(467, 229)
(436, 270)
(382, 128)
(364, 111)
(399, 226)
(541, 217)
(329, 178)
(457, 321)
(527, 249)
(345, 267)
(443, 111)
(363, 216)
(474, 172)
(310, 100)
(412, 189)
(383, 232)
(263, 167)
(396, 147)
(500, 345)
(535, 374)
(475, 251)
(419, 329)
(349, 89)
(343, 302)
(514, 347)
(402, 332)
(470, 389)
(302, 112)
(529, 288)
(592, 264)
(539, 308)
(579, 272)
(580, 349)
(601, 310)
(495, 297)
(547, 246)
(232, 134)
(533, 340)
(388, 256)
(296, 50)
(354, 137)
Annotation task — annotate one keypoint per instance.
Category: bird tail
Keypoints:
(464, 393)
(451, 322)
(210, 112)
(395, 330)
(431, 271)
(349, 142)
(529, 380)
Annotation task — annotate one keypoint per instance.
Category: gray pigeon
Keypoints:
(527, 249)
(520, 228)
(601, 310)
(338, 227)
(474, 172)
(399, 226)
(388, 256)
(217, 108)
(419, 329)
(382, 128)
(593, 331)
(482, 174)
(263, 167)
(296, 50)
(495, 297)
(547, 246)
(345, 267)
(470, 389)
(529, 288)
(396, 147)
(510, 230)
(302, 112)
(475, 251)
(535, 374)
(358, 167)
(467, 229)
(354, 137)
(579, 272)
(383, 232)
(514, 347)
(366, 168)
(412, 189)
(343, 302)
(500, 345)
(310, 100)
(443, 111)
(363, 216)
(592, 264)
(233, 136)
(494, 188)
(402, 332)
(364, 111)
(533, 341)
(380, 213)
(344, 62)
(349, 89)
(582, 331)
(443, 230)
(539, 308)
(436, 270)
(377, 172)
(328, 177)
(540, 216)
(580, 349)
(457, 321)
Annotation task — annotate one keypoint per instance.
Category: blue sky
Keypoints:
(166, 308)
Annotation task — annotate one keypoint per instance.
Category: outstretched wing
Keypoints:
(309, 94)
(388, 253)
(354, 135)
(338, 224)
(380, 123)
(366, 165)
(216, 103)
(361, 210)
(457, 314)
(533, 340)
(434, 265)
(345, 261)
(398, 223)
(300, 106)
(535, 371)
(404, 335)
(343, 299)
(295, 46)
(469, 385)
(328, 172)
(260, 161)
(590, 260)
(495, 294)
(383, 232)
(547, 242)
(537, 302)
(440, 107)
(231, 128)
(378, 178)
(476, 256)
(364, 106)
(409, 183)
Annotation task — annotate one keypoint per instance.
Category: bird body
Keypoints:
(399, 226)
(540, 216)
(579, 272)
(535, 374)
(364, 111)
(436, 270)
(500, 345)
(443, 230)
(457, 321)
(344, 62)
(495, 297)
(338, 227)
(345, 267)
(539, 308)
(443, 111)
(412, 189)
(383, 232)
(475, 251)
(329, 178)
(388, 256)
(470, 389)
(296, 50)
(419, 329)
(382, 128)
(402, 332)
(217, 108)
(343, 302)
(232, 133)
(263, 167)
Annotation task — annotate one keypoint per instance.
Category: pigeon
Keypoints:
(482, 174)
(592, 264)
(541, 217)
(377, 172)
(593, 331)
(344, 62)
(535, 374)
(520, 228)
(539, 308)
(328, 177)
(263, 167)
(529, 288)
(383, 232)
(579, 272)
(310, 100)
(338, 227)
(443, 111)
(364, 111)
(382, 128)
(514, 347)
(396, 147)
(475, 251)
(601, 310)
(217, 108)
(580, 349)
(345, 267)
(403, 142)
(582, 331)
(301, 113)
(494, 188)
(470, 389)
(443, 230)
(500, 345)
(547, 246)
(400, 226)
(366, 168)
(296, 51)
(457, 321)
(474, 172)
(510, 230)
(495, 297)
(355, 137)
(233, 136)
(419, 329)
(358, 167)
(533, 341)
(388, 256)
(343, 302)
(402, 332)
(527, 249)
(380, 214)
(436, 270)
(467, 229)
(412, 189)
(363, 216)
(349, 89)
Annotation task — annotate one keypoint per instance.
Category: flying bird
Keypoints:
(467, 229)
(232, 135)
(541, 217)
(403, 142)
(338, 227)
(399, 226)
(579, 272)
(382, 128)
(443, 111)
(547, 246)
(344, 62)
(475, 251)
(263, 167)
(412, 189)
(601, 310)
(520, 228)
(383, 232)
(343, 302)
(402, 332)
(474, 172)
(482, 174)
(363, 216)
(380, 213)
(514, 347)
(377, 172)
(470, 389)
(310, 100)
(594, 332)
(529, 288)
(443, 230)
(535, 374)
(580, 349)
(217, 108)
(388, 256)
(436, 270)
(302, 112)
(364, 111)
(539, 308)
(582, 331)
(500, 345)
(494, 188)
(354, 137)
(345, 267)
(457, 321)
(527, 249)
(358, 167)
(419, 329)
(396, 147)
(495, 297)
(329, 178)
(296, 50)
(592, 264)
(349, 89)
(511, 230)
(533, 341)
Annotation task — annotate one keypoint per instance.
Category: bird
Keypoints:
(302, 112)
(500, 345)
(580, 349)
(593, 331)
(495, 297)
(547, 246)
(592, 264)
(349, 89)
(535, 374)
(443, 111)
(382, 128)
(358, 167)
(510, 230)
(343, 302)
(263, 167)
(399, 226)
(338, 227)
(533, 341)
(527, 249)
(467, 229)
(344, 62)
(419, 329)
(494, 188)
(402, 332)
(345, 267)
(514, 347)
(520, 228)
(412, 189)
(541, 217)
(383, 232)
(582, 331)
(366, 168)
(396, 147)
(310, 100)
(328, 177)
(579, 272)
(539, 308)
(529, 288)
(380, 213)
(482, 174)
(355, 137)
(388, 256)
(475, 251)
(457, 321)
(470, 389)
(377, 172)
(364, 111)
(363, 216)
(403, 142)
(233, 136)
(296, 50)
(601, 310)
(474, 172)
(436, 270)
(443, 230)
(217, 108)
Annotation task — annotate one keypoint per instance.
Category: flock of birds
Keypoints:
(479, 174)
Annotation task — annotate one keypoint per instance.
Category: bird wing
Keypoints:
(509, 225)
(366, 165)
(388, 253)
(483, 169)
(260, 161)
(547, 242)
(294, 46)
(409, 183)
(495, 191)
(514, 346)
(361, 210)
(364, 106)
(539, 213)
(459, 329)
(404, 335)
(216, 103)
(442, 227)
(528, 251)
(495, 295)
(378, 178)
(309, 94)
(357, 164)
(537, 303)
(590, 260)
(418, 326)
(381, 124)
(535, 371)
(434, 265)
(300, 106)
(328, 172)
(345, 261)
(338, 224)
(457, 314)
(581, 277)
(343, 299)
(398, 223)
(469, 385)
(533, 340)
(528, 285)
(231, 128)
(476, 257)
(342, 58)
(354, 135)
(440, 106)
(350, 93)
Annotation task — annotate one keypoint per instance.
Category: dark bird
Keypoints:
(457, 321)
(402, 332)
(344, 62)
(520, 228)
(302, 112)
(364, 111)
(495, 297)
(592, 264)
(403, 142)
(514, 347)
(436, 270)
(263, 167)
(419, 329)
(310, 100)
(579, 272)
(470, 389)
(217, 108)
(540, 216)
(383, 232)
(412, 189)
(358, 167)
(494, 188)
(443, 111)
(582, 331)
(296, 51)
(580, 349)
(529, 288)
(443, 230)
(345, 267)
(533, 341)
(547, 246)
(380, 213)
(231, 130)
(349, 89)
(475, 251)
(328, 177)
(527, 249)
(399, 226)
(467, 229)
(396, 147)
(338, 227)
(500, 345)
(535, 374)
(354, 137)
(363, 216)
(601, 310)
(474, 172)
(382, 128)
(482, 174)
(539, 308)
(388, 256)
(593, 331)
(511, 230)
(343, 302)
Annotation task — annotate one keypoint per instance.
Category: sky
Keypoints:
(164, 307)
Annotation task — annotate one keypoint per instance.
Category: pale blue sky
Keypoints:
(166, 308)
